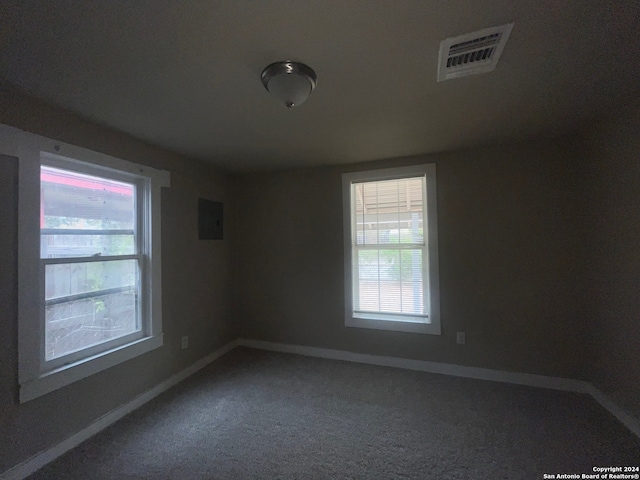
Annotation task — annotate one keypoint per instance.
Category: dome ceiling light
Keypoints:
(290, 83)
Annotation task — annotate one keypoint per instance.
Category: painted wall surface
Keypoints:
(509, 250)
(195, 287)
(539, 265)
(613, 196)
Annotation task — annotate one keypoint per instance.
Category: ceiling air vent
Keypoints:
(476, 52)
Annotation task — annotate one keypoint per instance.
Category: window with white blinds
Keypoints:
(390, 241)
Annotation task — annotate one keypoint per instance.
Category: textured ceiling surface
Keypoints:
(185, 75)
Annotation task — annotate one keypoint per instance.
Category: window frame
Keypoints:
(431, 289)
(37, 377)
(142, 235)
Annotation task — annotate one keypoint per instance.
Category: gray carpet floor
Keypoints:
(262, 415)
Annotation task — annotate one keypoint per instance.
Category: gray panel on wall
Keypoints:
(209, 219)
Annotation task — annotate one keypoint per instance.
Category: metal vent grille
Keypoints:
(472, 53)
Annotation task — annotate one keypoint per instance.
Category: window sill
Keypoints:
(361, 321)
(49, 381)
(391, 317)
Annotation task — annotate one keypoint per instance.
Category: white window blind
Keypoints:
(391, 249)
(388, 247)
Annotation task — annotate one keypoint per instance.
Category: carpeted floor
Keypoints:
(263, 415)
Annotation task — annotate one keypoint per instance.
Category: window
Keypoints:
(89, 261)
(92, 250)
(391, 261)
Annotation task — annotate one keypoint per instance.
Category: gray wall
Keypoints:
(539, 265)
(510, 246)
(613, 197)
(195, 287)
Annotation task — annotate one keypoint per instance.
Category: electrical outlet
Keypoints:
(460, 338)
(185, 341)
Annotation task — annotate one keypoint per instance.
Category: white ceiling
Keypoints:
(185, 75)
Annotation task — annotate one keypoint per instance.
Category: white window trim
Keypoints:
(379, 321)
(28, 148)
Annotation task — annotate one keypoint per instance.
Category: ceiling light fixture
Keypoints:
(290, 82)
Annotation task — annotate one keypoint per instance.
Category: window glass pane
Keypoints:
(359, 213)
(370, 213)
(390, 212)
(89, 303)
(410, 210)
(63, 246)
(390, 281)
(67, 279)
(369, 280)
(411, 282)
(84, 215)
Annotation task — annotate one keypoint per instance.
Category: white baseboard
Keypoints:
(631, 422)
(541, 381)
(26, 468)
(36, 462)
